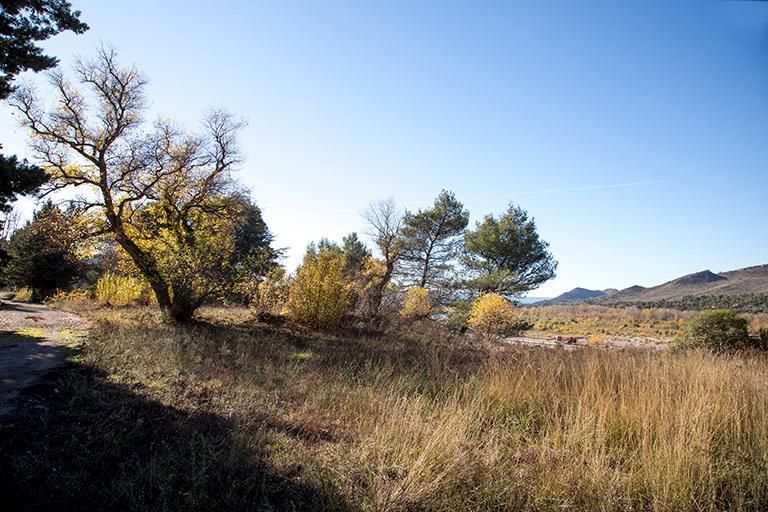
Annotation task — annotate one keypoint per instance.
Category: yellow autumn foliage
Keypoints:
(23, 295)
(370, 275)
(492, 314)
(321, 295)
(272, 292)
(76, 295)
(119, 290)
(417, 303)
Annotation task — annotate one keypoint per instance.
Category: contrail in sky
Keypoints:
(579, 188)
(611, 185)
(608, 186)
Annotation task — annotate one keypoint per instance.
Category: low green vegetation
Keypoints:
(30, 332)
(720, 330)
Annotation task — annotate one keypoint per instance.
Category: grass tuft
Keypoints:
(23, 295)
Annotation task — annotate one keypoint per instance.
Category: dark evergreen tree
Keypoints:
(17, 178)
(43, 253)
(355, 253)
(506, 255)
(253, 240)
(432, 240)
(253, 245)
(24, 23)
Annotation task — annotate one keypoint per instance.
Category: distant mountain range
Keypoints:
(578, 295)
(692, 289)
(532, 300)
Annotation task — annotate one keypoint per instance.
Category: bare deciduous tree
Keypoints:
(385, 222)
(91, 139)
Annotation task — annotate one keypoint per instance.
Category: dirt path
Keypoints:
(33, 340)
(617, 342)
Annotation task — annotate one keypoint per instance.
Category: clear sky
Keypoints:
(635, 133)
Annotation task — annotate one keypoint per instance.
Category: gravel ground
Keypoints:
(34, 339)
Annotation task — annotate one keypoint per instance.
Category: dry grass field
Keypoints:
(227, 414)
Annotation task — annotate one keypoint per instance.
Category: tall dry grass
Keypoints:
(587, 430)
(23, 295)
(446, 423)
(119, 290)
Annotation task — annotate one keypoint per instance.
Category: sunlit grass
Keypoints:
(31, 332)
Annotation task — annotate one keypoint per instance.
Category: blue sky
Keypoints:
(633, 132)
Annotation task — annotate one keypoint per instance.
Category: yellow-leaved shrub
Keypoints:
(23, 295)
(417, 303)
(367, 285)
(119, 290)
(320, 294)
(493, 314)
(76, 295)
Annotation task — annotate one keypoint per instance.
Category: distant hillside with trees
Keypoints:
(745, 290)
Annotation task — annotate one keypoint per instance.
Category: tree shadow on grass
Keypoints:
(268, 356)
(79, 442)
(338, 348)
